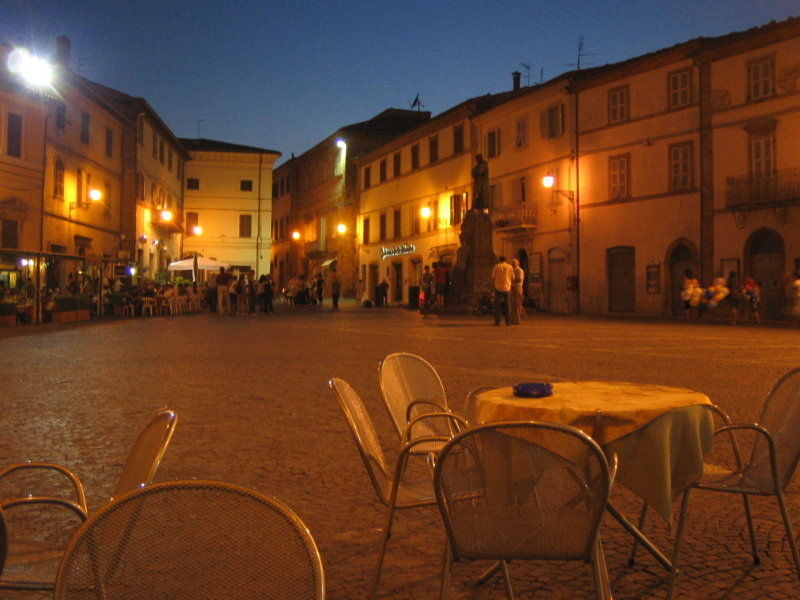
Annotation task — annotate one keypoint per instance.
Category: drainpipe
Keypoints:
(258, 217)
(38, 316)
(577, 205)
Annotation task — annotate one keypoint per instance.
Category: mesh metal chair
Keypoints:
(523, 490)
(390, 485)
(192, 539)
(31, 564)
(411, 388)
(766, 472)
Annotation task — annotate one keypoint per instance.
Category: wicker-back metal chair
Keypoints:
(523, 490)
(413, 392)
(192, 539)
(31, 564)
(767, 471)
(389, 483)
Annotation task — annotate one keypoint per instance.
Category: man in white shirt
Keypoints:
(502, 277)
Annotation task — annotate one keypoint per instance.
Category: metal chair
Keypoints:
(768, 470)
(523, 490)
(192, 539)
(412, 388)
(31, 564)
(389, 484)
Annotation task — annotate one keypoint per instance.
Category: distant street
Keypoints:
(254, 409)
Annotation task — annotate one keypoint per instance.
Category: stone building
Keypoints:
(228, 203)
(315, 199)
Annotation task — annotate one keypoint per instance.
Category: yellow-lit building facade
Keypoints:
(228, 204)
(22, 143)
(414, 192)
(315, 220)
(82, 183)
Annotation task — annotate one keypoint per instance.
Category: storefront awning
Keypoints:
(328, 262)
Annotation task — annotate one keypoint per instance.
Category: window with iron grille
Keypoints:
(618, 104)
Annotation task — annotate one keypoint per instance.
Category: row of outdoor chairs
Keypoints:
(177, 539)
(560, 480)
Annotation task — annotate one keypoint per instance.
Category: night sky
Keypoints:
(285, 75)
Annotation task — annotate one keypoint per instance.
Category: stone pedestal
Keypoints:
(475, 260)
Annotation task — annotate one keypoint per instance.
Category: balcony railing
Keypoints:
(746, 191)
(514, 217)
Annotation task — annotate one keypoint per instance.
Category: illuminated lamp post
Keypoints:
(549, 182)
(34, 71)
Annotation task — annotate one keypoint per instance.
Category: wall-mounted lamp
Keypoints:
(197, 230)
(549, 181)
(166, 215)
(95, 195)
(295, 235)
(341, 228)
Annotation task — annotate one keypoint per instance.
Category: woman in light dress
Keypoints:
(515, 308)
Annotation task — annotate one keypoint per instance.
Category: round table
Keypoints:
(660, 434)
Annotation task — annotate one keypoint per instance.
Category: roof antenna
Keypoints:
(417, 104)
(581, 54)
(541, 75)
(198, 127)
(527, 68)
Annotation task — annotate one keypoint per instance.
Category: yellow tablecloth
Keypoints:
(660, 434)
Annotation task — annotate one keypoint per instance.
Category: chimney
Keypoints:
(516, 77)
(63, 46)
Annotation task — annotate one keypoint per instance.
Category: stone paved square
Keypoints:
(254, 409)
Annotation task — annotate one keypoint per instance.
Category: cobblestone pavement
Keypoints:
(254, 408)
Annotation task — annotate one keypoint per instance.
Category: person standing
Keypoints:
(428, 287)
(502, 277)
(794, 297)
(359, 292)
(515, 309)
(319, 287)
(440, 273)
(336, 289)
(223, 295)
(383, 286)
(752, 295)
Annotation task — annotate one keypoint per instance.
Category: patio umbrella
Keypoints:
(200, 263)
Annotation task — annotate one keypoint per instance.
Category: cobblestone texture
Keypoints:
(254, 408)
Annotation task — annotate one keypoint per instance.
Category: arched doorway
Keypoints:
(765, 261)
(680, 258)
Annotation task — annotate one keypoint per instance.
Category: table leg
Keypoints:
(638, 535)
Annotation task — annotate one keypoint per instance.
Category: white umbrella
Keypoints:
(203, 264)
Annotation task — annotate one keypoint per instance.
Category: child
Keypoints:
(752, 295)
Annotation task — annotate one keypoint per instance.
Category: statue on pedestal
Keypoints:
(480, 183)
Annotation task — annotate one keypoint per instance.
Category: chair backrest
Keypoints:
(192, 539)
(143, 460)
(522, 490)
(780, 416)
(365, 437)
(405, 378)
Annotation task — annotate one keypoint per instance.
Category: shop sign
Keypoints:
(397, 250)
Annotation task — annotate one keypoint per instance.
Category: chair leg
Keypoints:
(678, 540)
(600, 568)
(387, 532)
(489, 573)
(748, 513)
(639, 526)
(447, 566)
(507, 580)
(788, 525)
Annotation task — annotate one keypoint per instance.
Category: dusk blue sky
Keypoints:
(285, 75)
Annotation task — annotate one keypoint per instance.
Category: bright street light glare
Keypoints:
(95, 195)
(548, 181)
(341, 228)
(197, 230)
(341, 143)
(425, 212)
(295, 235)
(166, 215)
(35, 71)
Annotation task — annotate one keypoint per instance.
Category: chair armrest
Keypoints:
(720, 413)
(469, 399)
(613, 465)
(456, 423)
(76, 483)
(762, 432)
(13, 502)
(416, 403)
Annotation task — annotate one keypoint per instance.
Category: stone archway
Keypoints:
(765, 261)
(681, 255)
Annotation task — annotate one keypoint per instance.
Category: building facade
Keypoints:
(228, 203)
(315, 217)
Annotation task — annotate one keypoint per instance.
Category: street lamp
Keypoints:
(166, 215)
(549, 181)
(341, 228)
(197, 230)
(35, 71)
(295, 235)
(95, 195)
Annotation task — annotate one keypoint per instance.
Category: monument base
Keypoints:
(472, 277)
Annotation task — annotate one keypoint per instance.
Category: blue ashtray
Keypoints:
(533, 390)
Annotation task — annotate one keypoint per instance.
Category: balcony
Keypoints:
(514, 218)
(746, 192)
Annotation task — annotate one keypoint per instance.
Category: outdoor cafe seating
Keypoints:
(32, 564)
(660, 437)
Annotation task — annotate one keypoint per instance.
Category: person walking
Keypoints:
(515, 309)
(269, 295)
(336, 289)
(502, 277)
(223, 295)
